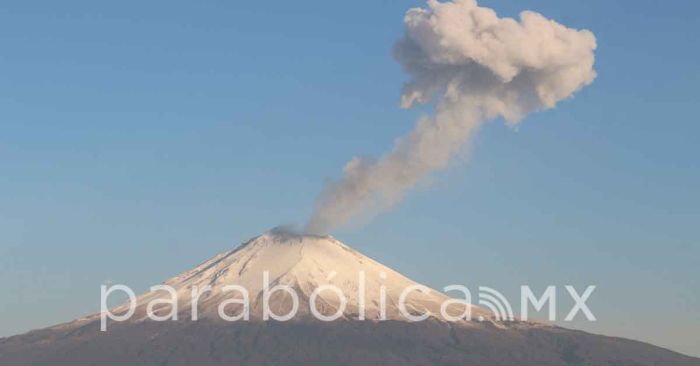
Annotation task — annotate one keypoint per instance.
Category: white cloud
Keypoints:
(475, 67)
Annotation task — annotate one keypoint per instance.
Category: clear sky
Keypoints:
(139, 138)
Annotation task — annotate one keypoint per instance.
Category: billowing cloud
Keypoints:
(474, 67)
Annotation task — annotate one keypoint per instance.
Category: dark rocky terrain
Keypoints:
(334, 343)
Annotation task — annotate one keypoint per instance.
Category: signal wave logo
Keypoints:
(497, 303)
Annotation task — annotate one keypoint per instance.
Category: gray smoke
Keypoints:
(475, 67)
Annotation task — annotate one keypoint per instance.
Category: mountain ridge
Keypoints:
(305, 263)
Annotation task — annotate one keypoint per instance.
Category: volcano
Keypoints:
(369, 324)
(302, 263)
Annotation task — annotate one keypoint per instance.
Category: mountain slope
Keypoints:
(304, 263)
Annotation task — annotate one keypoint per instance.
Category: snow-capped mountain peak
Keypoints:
(305, 264)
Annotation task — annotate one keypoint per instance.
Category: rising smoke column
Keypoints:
(474, 67)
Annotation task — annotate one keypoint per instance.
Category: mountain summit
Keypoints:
(303, 265)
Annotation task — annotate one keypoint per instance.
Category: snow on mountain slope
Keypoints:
(304, 263)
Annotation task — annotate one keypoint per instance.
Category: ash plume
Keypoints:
(473, 67)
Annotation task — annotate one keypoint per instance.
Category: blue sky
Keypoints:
(139, 138)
